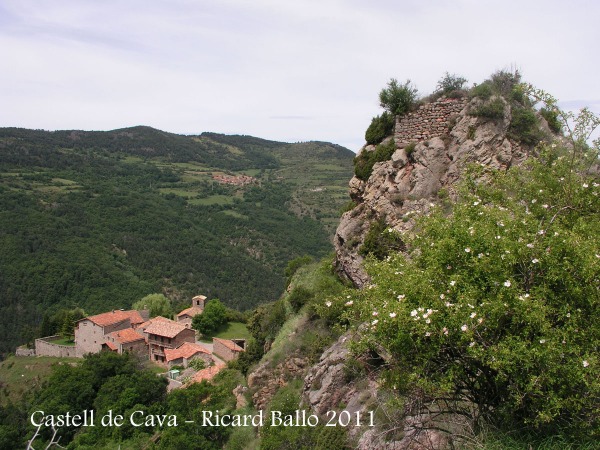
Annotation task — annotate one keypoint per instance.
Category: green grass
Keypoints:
(233, 330)
(21, 374)
(213, 200)
(235, 214)
(64, 341)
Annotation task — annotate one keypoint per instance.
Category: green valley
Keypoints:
(97, 220)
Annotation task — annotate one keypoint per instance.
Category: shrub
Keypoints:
(410, 151)
(380, 128)
(491, 109)
(551, 117)
(398, 99)
(299, 297)
(380, 241)
(483, 91)
(524, 126)
(497, 303)
(450, 83)
(503, 82)
(364, 162)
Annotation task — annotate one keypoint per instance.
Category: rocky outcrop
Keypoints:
(420, 173)
(266, 380)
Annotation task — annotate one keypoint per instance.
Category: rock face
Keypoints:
(414, 179)
(265, 380)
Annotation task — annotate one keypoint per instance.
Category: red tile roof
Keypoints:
(112, 317)
(208, 373)
(193, 311)
(164, 327)
(111, 345)
(125, 336)
(229, 344)
(185, 350)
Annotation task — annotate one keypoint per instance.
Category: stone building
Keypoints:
(162, 334)
(127, 340)
(187, 315)
(182, 355)
(228, 349)
(90, 331)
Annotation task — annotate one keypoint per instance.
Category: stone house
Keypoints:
(228, 349)
(187, 315)
(182, 355)
(127, 340)
(162, 334)
(90, 331)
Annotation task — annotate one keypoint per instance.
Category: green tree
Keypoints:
(212, 318)
(398, 99)
(158, 304)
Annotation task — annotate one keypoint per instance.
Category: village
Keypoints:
(172, 344)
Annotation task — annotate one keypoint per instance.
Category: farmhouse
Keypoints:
(90, 331)
(162, 334)
(182, 355)
(127, 340)
(228, 349)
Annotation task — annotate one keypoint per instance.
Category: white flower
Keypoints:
(428, 321)
(468, 250)
(535, 260)
(464, 328)
(568, 314)
(526, 296)
(533, 201)
(542, 341)
(553, 146)
(374, 322)
(473, 315)
(541, 232)
(428, 333)
(445, 330)
(545, 206)
(480, 255)
(442, 296)
(392, 315)
(350, 303)
(585, 185)
(585, 363)
(500, 224)
(413, 313)
(375, 313)
(507, 283)
(498, 237)
(480, 320)
(328, 304)
(401, 297)
(452, 283)
(475, 203)
(472, 344)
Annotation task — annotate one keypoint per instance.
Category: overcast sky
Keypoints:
(294, 70)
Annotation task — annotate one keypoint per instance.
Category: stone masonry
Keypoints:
(429, 121)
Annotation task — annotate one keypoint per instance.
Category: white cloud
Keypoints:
(233, 66)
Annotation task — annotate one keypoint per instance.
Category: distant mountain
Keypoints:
(100, 219)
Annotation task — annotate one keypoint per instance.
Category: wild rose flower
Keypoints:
(392, 315)
(507, 283)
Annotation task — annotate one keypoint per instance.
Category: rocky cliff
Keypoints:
(433, 146)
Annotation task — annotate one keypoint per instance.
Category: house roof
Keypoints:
(145, 325)
(193, 311)
(229, 344)
(164, 327)
(110, 345)
(185, 350)
(116, 316)
(125, 336)
(208, 373)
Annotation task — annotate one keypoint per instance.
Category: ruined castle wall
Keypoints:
(45, 347)
(429, 121)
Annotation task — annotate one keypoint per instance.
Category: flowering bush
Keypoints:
(498, 303)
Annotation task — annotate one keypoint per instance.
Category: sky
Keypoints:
(290, 71)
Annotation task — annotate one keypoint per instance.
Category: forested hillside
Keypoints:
(100, 219)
